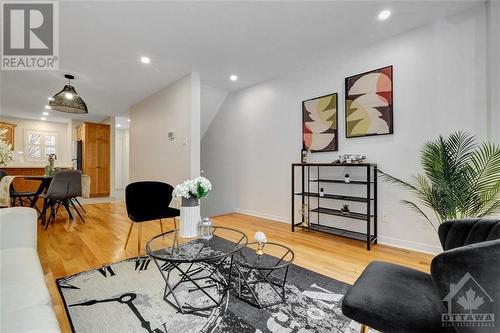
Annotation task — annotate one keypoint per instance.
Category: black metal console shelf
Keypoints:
(309, 192)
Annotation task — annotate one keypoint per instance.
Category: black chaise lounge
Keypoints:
(393, 298)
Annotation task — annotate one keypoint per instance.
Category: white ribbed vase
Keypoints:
(190, 217)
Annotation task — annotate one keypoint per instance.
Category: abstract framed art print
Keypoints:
(320, 124)
(368, 103)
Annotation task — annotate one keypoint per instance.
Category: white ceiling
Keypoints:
(101, 43)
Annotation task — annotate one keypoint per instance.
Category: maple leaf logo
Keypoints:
(470, 301)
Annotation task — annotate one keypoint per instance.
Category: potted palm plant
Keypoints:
(461, 179)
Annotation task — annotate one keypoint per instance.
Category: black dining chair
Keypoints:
(65, 185)
(394, 298)
(148, 201)
(18, 197)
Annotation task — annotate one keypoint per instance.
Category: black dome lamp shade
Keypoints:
(67, 100)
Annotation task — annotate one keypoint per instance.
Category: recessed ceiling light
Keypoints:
(50, 98)
(145, 60)
(233, 78)
(47, 107)
(43, 118)
(128, 120)
(384, 15)
(118, 125)
(45, 113)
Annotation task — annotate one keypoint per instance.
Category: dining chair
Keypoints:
(18, 197)
(148, 201)
(65, 186)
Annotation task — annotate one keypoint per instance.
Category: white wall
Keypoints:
(211, 101)
(112, 163)
(439, 87)
(64, 140)
(121, 161)
(494, 69)
(152, 155)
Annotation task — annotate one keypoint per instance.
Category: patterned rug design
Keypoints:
(128, 297)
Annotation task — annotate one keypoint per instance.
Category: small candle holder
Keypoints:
(261, 240)
(260, 249)
(206, 228)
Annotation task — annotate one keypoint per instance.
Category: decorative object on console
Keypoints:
(320, 124)
(304, 212)
(206, 228)
(345, 209)
(261, 240)
(321, 192)
(191, 191)
(49, 168)
(68, 100)
(347, 178)
(368, 103)
(303, 156)
(461, 178)
(352, 158)
(5, 148)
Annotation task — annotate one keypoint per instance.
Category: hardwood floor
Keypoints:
(68, 248)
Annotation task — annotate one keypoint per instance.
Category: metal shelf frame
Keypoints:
(307, 193)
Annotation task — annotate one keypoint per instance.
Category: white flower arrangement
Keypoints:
(193, 188)
(5, 149)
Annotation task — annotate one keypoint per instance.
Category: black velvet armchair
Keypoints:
(464, 282)
(148, 201)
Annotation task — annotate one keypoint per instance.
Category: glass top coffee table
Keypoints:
(192, 267)
(262, 278)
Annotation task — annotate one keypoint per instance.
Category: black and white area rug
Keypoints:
(128, 297)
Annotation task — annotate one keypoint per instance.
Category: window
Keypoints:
(39, 145)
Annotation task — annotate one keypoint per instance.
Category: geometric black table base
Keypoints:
(191, 267)
(253, 269)
(196, 279)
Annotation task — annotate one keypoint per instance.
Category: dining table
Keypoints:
(42, 188)
(45, 180)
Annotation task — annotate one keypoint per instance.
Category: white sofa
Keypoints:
(24, 298)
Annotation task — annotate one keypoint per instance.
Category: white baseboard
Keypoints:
(409, 245)
(394, 242)
(264, 216)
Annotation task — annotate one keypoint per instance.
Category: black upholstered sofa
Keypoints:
(464, 280)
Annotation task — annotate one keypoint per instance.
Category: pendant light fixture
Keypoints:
(67, 100)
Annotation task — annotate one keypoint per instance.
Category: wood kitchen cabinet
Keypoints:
(10, 133)
(96, 148)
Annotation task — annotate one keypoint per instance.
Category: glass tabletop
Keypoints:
(278, 256)
(170, 246)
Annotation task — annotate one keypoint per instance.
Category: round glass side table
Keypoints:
(262, 277)
(192, 267)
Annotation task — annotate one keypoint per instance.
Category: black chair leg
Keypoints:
(32, 203)
(66, 205)
(51, 216)
(76, 209)
(43, 214)
(79, 204)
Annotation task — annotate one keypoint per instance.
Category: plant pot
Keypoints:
(190, 217)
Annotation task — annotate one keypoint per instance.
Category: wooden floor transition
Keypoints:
(68, 248)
